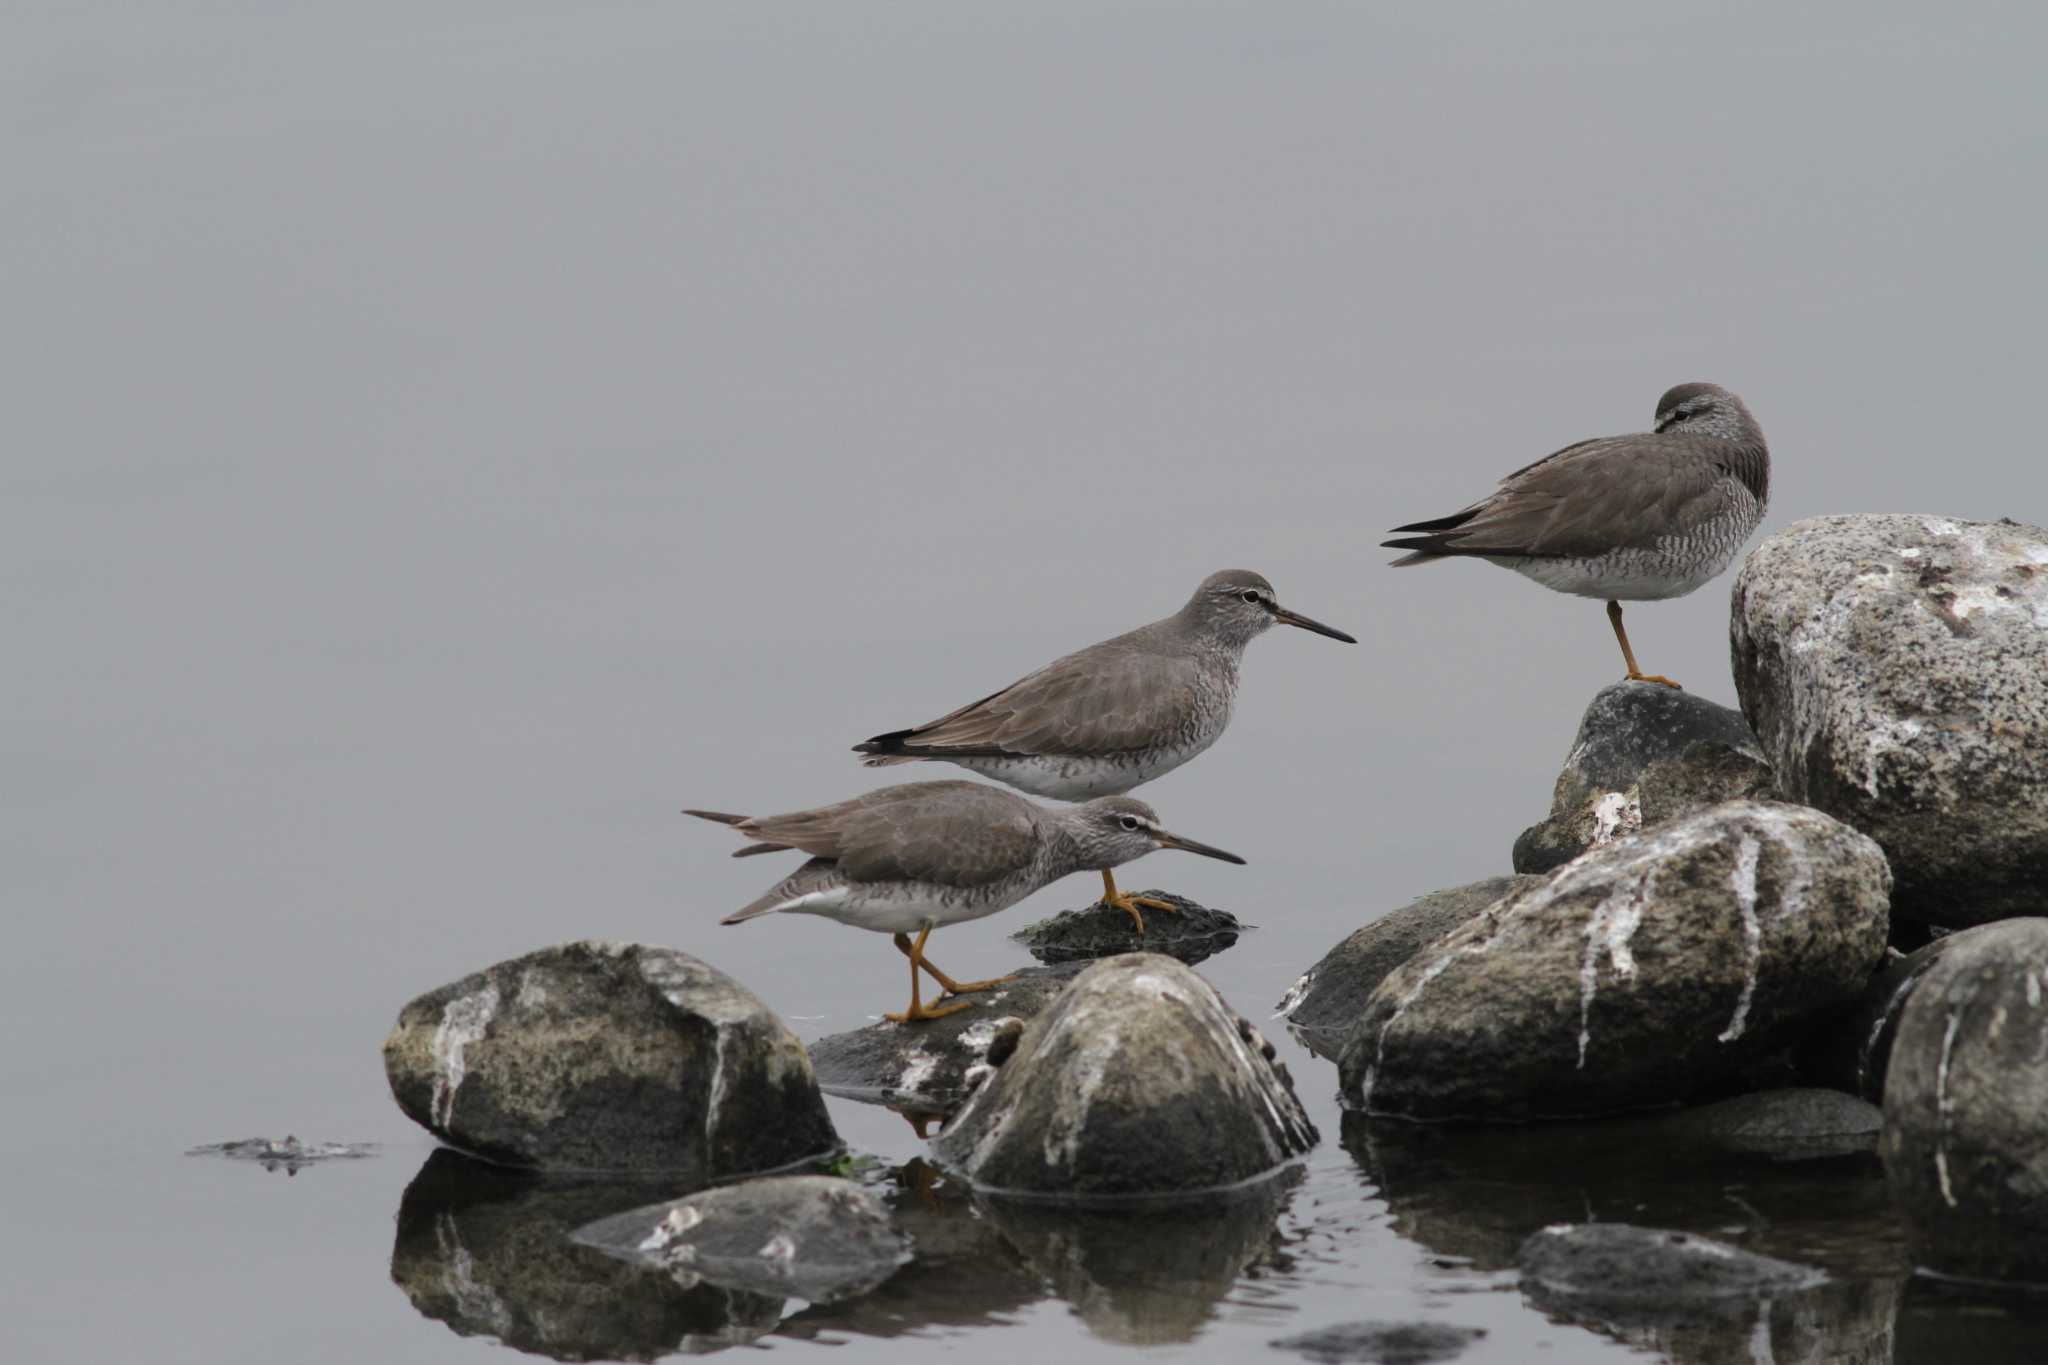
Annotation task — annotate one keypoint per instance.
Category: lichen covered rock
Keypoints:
(1138, 1079)
(1639, 974)
(1895, 669)
(608, 1056)
(1645, 755)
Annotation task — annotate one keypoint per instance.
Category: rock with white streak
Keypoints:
(812, 1237)
(1895, 669)
(608, 1056)
(1851, 1048)
(1642, 973)
(1138, 1079)
(1324, 1003)
(1965, 1143)
(1645, 755)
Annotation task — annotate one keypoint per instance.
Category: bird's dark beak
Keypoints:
(1295, 618)
(1207, 851)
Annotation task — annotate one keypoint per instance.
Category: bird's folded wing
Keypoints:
(1599, 496)
(967, 836)
(1107, 699)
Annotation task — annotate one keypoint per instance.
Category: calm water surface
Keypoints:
(443, 442)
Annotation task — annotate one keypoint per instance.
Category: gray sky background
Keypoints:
(442, 442)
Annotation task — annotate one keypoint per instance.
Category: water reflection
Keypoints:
(488, 1252)
(1942, 1323)
(1473, 1195)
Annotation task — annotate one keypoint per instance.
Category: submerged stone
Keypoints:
(1382, 1343)
(810, 1237)
(608, 1056)
(289, 1155)
(1137, 1080)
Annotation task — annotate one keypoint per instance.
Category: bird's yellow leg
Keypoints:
(947, 983)
(918, 1009)
(1129, 904)
(1628, 655)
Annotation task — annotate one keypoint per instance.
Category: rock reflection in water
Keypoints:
(1942, 1323)
(1147, 1273)
(487, 1251)
(1474, 1194)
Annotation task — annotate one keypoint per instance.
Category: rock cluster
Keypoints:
(1895, 669)
(608, 1056)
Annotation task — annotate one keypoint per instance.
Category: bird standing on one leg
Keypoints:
(908, 859)
(1626, 518)
(1114, 715)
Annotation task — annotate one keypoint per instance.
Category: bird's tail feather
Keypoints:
(718, 817)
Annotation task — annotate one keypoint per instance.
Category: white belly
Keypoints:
(900, 910)
(1071, 778)
(1623, 576)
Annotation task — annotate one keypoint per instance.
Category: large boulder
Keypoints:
(1639, 974)
(812, 1237)
(487, 1251)
(1645, 755)
(1896, 670)
(1137, 1080)
(1322, 1007)
(608, 1056)
(1965, 1142)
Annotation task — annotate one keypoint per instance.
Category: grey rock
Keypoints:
(290, 1155)
(486, 1250)
(811, 1237)
(1645, 755)
(1965, 1146)
(1785, 1125)
(1153, 1273)
(1620, 1264)
(1896, 670)
(608, 1056)
(925, 1068)
(1639, 974)
(1137, 1080)
(1851, 1048)
(1382, 1343)
(1190, 932)
(1323, 1006)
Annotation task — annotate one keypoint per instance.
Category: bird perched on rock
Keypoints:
(925, 854)
(1116, 714)
(1628, 518)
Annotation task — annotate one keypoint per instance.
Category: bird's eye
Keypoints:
(1250, 595)
(1129, 822)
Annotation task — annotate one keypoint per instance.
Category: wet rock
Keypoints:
(289, 1155)
(1137, 1080)
(1382, 1343)
(1965, 1146)
(1615, 1263)
(608, 1056)
(926, 1067)
(487, 1251)
(1896, 670)
(1152, 1273)
(1645, 755)
(1785, 1125)
(1638, 974)
(1323, 1006)
(1189, 932)
(811, 1237)
(1850, 1049)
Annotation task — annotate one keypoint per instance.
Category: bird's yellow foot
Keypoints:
(1129, 905)
(917, 1013)
(1654, 678)
(969, 987)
